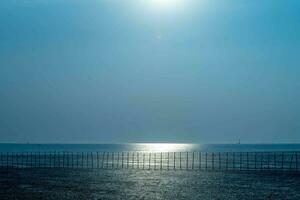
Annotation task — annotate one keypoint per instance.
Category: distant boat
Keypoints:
(239, 141)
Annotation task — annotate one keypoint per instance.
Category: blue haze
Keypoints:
(115, 71)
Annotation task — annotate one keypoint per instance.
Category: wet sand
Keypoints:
(146, 184)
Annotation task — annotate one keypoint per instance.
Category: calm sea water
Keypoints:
(152, 147)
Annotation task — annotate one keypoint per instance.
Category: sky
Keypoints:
(111, 71)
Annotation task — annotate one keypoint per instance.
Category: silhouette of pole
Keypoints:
(187, 160)
(122, 159)
(143, 160)
(200, 160)
(149, 160)
(174, 166)
(160, 160)
(193, 160)
(154, 161)
(180, 160)
(205, 160)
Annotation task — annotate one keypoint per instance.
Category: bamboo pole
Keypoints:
(193, 160)
(118, 162)
(92, 159)
(87, 160)
(77, 159)
(233, 160)
(241, 161)
(68, 159)
(268, 156)
(275, 162)
(31, 160)
(107, 160)
(20, 161)
(261, 160)
(154, 161)
(180, 160)
(255, 160)
(226, 160)
(219, 161)
(12, 160)
(63, 159)
(247, 160)
(35, 160)
(132, 160)
(160, 160)
(213, 161)
(7, 159)
(296, 161)
(113, 160)
(122, 159)
(187, 160)
(143, 160)
(23, 160)
(58, 159)
(54, 159)
(138, 160)
(291, 162)
(17, 160)
(168, 160)
(97, 155)
(1, 160)
(149, 160)
(82, 159)
(206, 161)
(282, 160)
(39, 160)
(200, 160)
(127, 160)
(50, 159)
(45, 159)
(174, 161)
(72, 156)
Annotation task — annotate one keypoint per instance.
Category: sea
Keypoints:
(149, 147)
(75, 171)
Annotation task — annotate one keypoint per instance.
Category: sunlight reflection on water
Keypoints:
(164, 147)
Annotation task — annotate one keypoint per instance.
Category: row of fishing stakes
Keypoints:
(156, 161)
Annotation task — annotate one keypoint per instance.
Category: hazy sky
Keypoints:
(108, 71)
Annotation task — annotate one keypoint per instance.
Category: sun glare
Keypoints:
(165, 4)
(165, 147)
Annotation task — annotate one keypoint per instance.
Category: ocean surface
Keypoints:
(148, 147)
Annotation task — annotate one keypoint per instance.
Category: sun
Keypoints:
(165, 4)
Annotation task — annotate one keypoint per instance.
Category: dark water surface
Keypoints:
(81, 184)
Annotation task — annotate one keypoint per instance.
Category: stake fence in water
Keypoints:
(213, 161)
